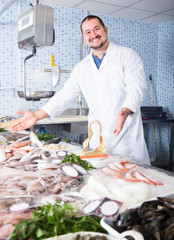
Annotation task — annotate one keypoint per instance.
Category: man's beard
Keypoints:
(100, 46)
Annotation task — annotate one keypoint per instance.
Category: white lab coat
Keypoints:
(119, 82)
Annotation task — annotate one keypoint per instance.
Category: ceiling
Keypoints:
(154, 11)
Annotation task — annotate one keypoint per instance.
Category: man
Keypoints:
(112, 81)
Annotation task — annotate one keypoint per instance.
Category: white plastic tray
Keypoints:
(107, 225)
(71, 236)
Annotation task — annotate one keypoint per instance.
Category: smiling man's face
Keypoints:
(94, 34)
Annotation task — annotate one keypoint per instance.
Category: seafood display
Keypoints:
(8, 219)
(55, 220)
(126, 182)
(99, 186)
(129, 172)
(34, 173)
(153, 219)
(31, 177)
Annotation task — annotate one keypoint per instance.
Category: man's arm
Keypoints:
(135, 87)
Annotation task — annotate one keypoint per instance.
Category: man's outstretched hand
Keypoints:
(28, 120)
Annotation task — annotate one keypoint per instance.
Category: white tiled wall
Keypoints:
(153, 42)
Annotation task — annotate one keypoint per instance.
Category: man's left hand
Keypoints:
(121, 118)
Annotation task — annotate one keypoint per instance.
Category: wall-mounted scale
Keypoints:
(35, 29)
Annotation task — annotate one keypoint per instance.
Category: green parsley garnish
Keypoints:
(73, 158)
(3, 130)
(44, 136)
(54, 220)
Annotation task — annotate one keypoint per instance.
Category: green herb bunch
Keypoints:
(73, 158)
(54, 220)
(44, 136)
(3, 130)
(66, 140)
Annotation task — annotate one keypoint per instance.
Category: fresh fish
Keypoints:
(113, 167)
(32, 155)
(128, 172)
(57, 188)
(110, 171)
(5, 230)
(2, 155)
(130, 166)
(18, 151)
(46, 154)
(36, 186)
(54, 140)
(16, 196)
(22, 139)
(6, 218)
(8, 155)
(14, 158)
(35, 141)
(119, 165)
(50, 166)
(19, 163)
(130, 177)
(19, 144)
(144, 178)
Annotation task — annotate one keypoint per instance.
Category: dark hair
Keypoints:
(89, 17)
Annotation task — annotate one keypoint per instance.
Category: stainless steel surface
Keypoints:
(35, 27)
(82, 111)
(35, 95)
(55, 72)
(79, 128)
(76, 111)
(64, 71)
(36, 2)
(61, 70)
(25, 59)
(55, 75)
(32, 95)
(70, 112)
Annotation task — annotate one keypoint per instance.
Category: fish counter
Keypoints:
(37, 175)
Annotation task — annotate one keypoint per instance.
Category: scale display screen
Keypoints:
(25, 21)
